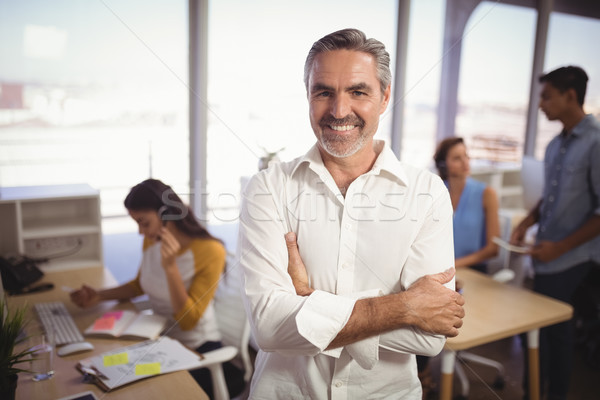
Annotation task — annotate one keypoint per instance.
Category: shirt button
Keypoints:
(345, 265)
(338, 384)
(554, 182)
(543, 229)
(551, 199)
(348, 226)
(558, 167)
(563, 150)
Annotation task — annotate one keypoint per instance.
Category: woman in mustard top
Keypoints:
(180, 269)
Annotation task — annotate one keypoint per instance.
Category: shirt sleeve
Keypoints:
(431, 252)
(281, 320)
(595, 175)
(209, 262)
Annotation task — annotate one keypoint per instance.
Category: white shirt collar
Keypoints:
(386, 161)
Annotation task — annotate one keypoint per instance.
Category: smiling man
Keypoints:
(363, 280)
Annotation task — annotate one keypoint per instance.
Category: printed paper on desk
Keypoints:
(143, 360)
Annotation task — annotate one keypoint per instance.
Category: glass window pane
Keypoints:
(572, 40)
(94, 92)
(256, 92)
(423, 73)
(495, 81)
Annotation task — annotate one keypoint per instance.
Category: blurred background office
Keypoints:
(105, 92)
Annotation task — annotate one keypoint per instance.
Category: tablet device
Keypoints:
(88, 395)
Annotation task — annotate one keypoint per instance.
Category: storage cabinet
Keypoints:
(60, 223)
(506, 182)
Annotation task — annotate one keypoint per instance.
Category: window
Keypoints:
(256, 91)
(495, 81)
(94, 92)
(571, 40)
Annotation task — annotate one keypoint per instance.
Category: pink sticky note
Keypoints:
(104, 323)
(115, 314)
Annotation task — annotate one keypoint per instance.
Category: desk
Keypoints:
(496, 311)
(67, 380)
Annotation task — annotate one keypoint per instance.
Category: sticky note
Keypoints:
(115, 314)
(147, 369)
(115, 359)
(104, 323)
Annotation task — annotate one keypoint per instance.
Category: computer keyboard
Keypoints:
(55, 316)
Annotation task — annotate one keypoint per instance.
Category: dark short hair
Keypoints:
(441, 153)
(566, 78)
(352, 39)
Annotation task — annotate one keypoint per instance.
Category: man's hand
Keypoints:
(546, 251)
(296, 267)
(517, 236)
(433, 307)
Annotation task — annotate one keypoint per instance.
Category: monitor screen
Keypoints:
(532, 179)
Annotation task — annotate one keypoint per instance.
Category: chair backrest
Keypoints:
(499, 266)
(231, 316)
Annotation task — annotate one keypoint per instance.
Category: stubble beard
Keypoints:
(342, 146)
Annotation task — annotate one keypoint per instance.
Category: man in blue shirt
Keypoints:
(568, 216)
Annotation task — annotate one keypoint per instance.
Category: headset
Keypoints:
(166, 212)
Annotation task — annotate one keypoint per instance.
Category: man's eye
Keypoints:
(323, 94)
(358, 93)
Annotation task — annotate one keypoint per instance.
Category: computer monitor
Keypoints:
(532, 180)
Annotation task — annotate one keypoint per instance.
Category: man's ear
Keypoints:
(386, 99)
(572, 96)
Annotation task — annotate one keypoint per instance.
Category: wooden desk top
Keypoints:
(67, 380)
(496, 310)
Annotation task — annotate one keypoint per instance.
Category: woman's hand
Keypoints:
(169, 248)
(85, 297)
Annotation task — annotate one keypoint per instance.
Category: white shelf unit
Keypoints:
(506, 182)
(61, 223)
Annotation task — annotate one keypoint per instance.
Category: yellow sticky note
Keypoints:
(147, 369)
(115, 359)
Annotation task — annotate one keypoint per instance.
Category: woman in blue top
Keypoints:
(475, 206)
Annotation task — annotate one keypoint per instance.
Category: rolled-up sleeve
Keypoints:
(431, 252)
(281, 320)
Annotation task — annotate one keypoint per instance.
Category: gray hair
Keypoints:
(352, 39)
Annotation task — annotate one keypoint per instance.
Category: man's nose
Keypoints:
(340, 107)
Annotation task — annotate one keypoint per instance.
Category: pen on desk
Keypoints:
(67, 289)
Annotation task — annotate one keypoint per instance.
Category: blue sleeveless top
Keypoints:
(469, 220)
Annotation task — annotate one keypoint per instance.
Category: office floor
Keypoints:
(584, 379)
(122, 256)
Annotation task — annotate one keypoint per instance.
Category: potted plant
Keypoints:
(11, 353)
(269, 156)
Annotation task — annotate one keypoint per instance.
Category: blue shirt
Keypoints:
(571, 193)
(469, 220)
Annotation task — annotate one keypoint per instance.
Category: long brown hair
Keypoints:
(155, 195)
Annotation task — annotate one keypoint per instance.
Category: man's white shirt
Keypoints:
(393, 226)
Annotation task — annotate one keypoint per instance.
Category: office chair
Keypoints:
(505, 275)
(235, 332)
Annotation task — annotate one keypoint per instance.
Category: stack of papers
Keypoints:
(143, 360)
(511, 247)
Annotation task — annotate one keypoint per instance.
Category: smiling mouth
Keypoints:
(342, 128)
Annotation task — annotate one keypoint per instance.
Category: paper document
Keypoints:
(143, 360)
(511, 247)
